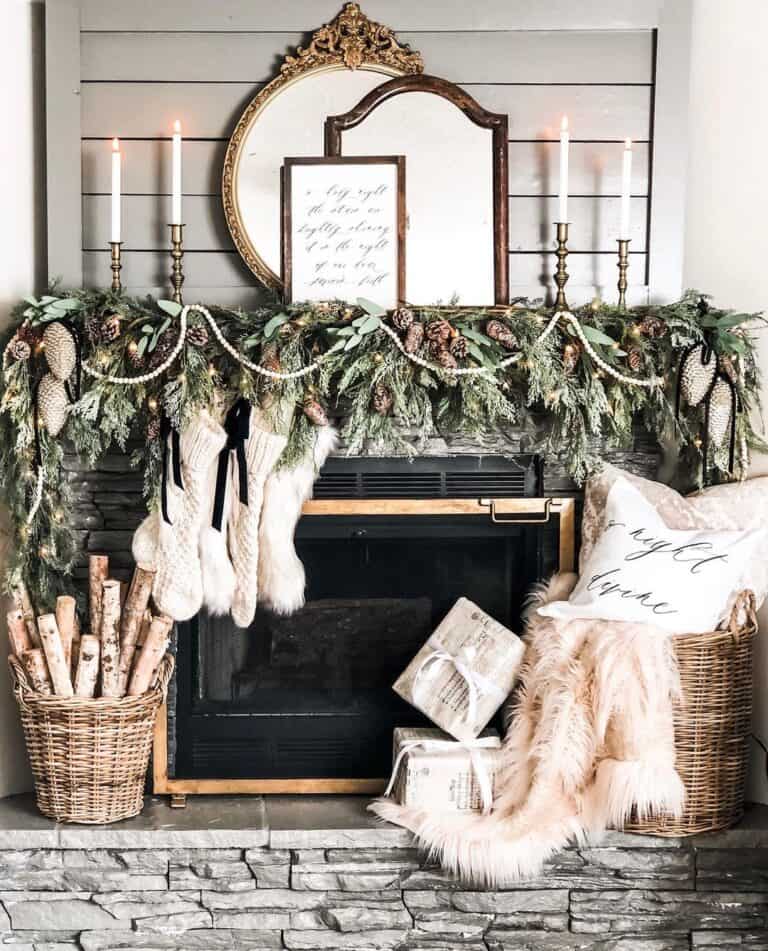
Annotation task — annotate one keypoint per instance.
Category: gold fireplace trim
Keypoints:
(508, 511)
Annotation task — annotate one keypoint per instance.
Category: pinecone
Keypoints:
(133, 356)
(402, 318)
(414, 338)
(438, 346)
(382, 399)
(652, 326)
(20, 349)
(447, 360)
(93, 329)
(162, 351)
(728, 368)
(315, 412)
(153, 427)
(459, 347)
(110, 328)
(439, 331)
(28, 334)
(571, 356)
(498, 331)
(634, 358)
(270, 359)
(197, 335)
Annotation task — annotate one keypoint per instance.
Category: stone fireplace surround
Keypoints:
(252, 873)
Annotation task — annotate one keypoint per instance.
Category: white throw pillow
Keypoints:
(642, 571)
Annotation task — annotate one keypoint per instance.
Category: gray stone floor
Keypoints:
(311, 873)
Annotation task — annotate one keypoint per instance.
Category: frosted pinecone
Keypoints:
(20, 349)
(402, 318)
(652, 326)
(414, 338)
(634, 358)
(459, 347)
(447, 360)
(439, 331)
(197, 335)
(497, 330)
(153, 427)
(110, 328)
(162, 351)
(382, 399)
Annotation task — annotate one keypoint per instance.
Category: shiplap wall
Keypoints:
(141, 65)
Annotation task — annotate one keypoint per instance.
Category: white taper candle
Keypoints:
(626, 189)
(564, 140)
(116, 221)
(176, 175)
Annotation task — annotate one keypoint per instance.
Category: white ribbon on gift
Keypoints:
(483, 777)
(477, 685)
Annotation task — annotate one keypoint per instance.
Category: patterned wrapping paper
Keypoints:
(431, 769)
(464, 672)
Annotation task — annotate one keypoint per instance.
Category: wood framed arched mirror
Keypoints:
(457, 236)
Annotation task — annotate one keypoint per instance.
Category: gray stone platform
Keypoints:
(308, 873)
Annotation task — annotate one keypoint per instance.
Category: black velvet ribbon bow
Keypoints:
(237, 426)
(172, 449)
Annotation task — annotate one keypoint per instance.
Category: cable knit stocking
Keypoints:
(178, 589)
(262, 451)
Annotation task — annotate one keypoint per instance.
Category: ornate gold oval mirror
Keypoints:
(456, 184)
(343, 61)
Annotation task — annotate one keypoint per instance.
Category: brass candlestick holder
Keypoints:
(177, 254)
(561, 275)
(116, 266)
(623, 266)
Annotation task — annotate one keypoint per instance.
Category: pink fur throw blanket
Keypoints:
(590, 738)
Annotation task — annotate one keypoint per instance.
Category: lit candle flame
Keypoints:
(177, 126)
(564, 124)
(628, 144)
(115, 144)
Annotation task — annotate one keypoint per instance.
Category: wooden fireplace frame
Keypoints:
(522, 511)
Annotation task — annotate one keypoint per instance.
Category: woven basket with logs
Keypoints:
(88, 703)
(712, 726)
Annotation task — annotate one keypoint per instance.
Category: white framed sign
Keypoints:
(344, 229)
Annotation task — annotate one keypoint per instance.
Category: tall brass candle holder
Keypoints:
(623, 266)
(177, 254)
(561, 275)
(116, 265)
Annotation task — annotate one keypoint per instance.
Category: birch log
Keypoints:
(37, 671)
(75, 646)
(110, 638)
(133, 614)
(54, 654)
(65, 620)
(87, 666)
(146, 623)
(149, 657)
(34, 635)
(21, 598)
(17, 633)
(98, 570)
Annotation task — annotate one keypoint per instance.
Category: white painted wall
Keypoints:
(22, 258)
(728, 203)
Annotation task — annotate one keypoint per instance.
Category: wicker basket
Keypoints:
(89, 758)
(712, 726)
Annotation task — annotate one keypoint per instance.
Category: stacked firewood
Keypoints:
(119, 656)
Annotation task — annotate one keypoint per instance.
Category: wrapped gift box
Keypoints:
(431, 769)
(464, 672)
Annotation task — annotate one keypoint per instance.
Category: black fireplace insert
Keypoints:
(309, 697)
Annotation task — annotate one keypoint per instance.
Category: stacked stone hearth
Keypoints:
(364, 888)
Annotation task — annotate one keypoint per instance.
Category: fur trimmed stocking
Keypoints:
(178, 588)
(590, 740)
(262, 451)
(281, 573)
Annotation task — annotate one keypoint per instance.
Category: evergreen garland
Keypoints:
(389, 405)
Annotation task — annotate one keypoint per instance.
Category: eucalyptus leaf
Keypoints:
(142, 346)
(339, 345)
(476, 352)
(147, 329)
(346, 332)
(170, 307)
(475, 335)
(273, 325)
(597, 336)
(371, 323)
(351, 343)
(370, 307)
(164, 326)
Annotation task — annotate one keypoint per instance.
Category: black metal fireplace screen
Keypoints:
(304, 703)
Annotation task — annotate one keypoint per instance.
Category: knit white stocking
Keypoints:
(281, 573)
(178, 589)
(261, 452)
